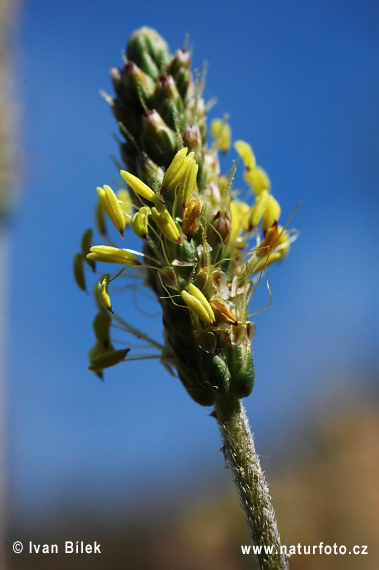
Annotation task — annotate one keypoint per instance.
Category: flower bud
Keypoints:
(222, 224)
(158, 140)
(191, 217)
(110, 254)
(102, 292)
(166, 100)
(136, 85)
(149, 50)
(241, 366)
(179, 68)
(192, 138)
(140, 222)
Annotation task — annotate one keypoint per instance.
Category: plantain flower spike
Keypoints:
(201, 242)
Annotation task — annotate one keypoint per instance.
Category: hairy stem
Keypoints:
(251, 485)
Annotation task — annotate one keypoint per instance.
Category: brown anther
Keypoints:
(222, 313)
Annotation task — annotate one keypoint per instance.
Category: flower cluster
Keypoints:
(203, 248)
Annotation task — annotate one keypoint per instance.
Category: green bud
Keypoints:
(149, 171)
(167, 101)
(158, 140)
(78, 267)
(149, 51)
(179, 68)
(192, 138)
(137, 85)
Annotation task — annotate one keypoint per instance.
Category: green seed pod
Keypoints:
(108, 359)
(78, 266)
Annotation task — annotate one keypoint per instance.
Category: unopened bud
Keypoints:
(222, 224)
(136, 85)
(167, 101)
(192, 138)
(158, 140)
(179, 68)
(149, 50)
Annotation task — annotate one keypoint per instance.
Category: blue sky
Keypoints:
(300, 83)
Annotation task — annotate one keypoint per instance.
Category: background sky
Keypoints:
(300, 83)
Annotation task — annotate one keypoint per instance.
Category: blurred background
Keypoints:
(133, 462)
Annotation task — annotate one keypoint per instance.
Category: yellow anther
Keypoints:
(110, 254)
(78, 267)
(138, 186)
(191, 217)
(257, 211)
(195, 291)
(269, 243)
(222, 134)
(257, 179)
(222, 312)
(188, 182)
(108, 359)
(112, 208)
(101, 325)
(176, 170)
(125, 202)
(239, 211)
(246, 153)
(198, 307)
(166, 224)
(259, 264)
(272, 213)
(140, 222)
(102, 292)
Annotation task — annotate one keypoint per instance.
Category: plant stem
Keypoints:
(239, 452)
